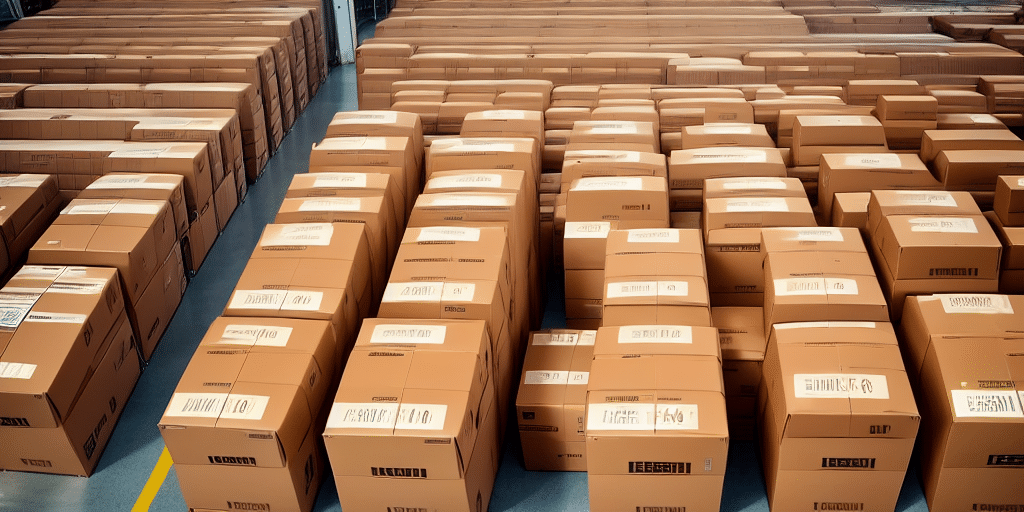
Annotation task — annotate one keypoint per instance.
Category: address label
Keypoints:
(363, 415)
(656, 334)
(22, 371)
(976, 303)
(618, 416)
(405, 334)
(256, 335)
(763, 204)
(840, 385)
(664, 236)
(968, 403)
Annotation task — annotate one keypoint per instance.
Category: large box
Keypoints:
(395, 156)
(381, 123)
(352, 184)
(977, 169)
(552, 399)
(917, 202)
(688, 168)
(607, 162)
(726, 134)
(864, 172)
(416, 425)
(756, 212)
(28, 204)
(935, 141)
(74, 444)
(307, 271)
(628, 198)
(835, 414)
(457, 154)
(937, 247)
(153, 187)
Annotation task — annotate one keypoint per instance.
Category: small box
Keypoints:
(850, 209)
(977, 169)
(726, 134)
(938, 247)
(935, 141)
(688, 168)
(864, 172)
(1009, 200)
(756, 212)
(906, 108)
(629, 198)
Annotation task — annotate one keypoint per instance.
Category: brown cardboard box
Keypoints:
(697, 342)
(382, 123)
(552, 399)
(734, 263)
(685, 220)
(750, 212)
(618, 135)
(819, 239)
(388, 155)
(977, 169)
(935, 141)
(922, 247)
(29, 204)
(835, 413)
(900, 108)
(726, 134)
(716, 110)
(688, 168)
(202, 233)
(1012, 239)
(484, 153)
(385, 409)
(151, 315)
(897, 290)
(225, 200)
(850, 210)
(864, 172)
(201, 428)
(821, 286)
(605, 162)
(351, 184)
(641, 409)
(753, 187)
(1009, 200)
(132, 235)
(73, 445)
(48, 349)
(959, 121)
(838, 130)
(630, 198)
(153, 187)
(506, 123)
(741, 336)
(916, 202)
(285, 276)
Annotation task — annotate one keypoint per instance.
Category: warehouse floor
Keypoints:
(133, 457)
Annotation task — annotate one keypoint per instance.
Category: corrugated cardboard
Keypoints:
(688, 168)
(351, 184)
(864, 172)
(756, 212)
(552, 398)
(916, 202)
(850, 209)
(1009, 200)
(936, 247)
(154, 187)
(726, 134)
(734, 262)
(484, 153)
(388, 155)
(152, 314)
(630, 198)
(899, 108)
(935, 141)
(30, 203)
(823, 239)
(753, 187)
(382, 123)
(605, 162)
(618, 135)
(977, 169)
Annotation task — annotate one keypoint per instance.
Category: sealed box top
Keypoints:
(657, 340)
(374, 123)
(55, 320)
(612, 131)
(838, 379)
(935, 141)
(757, 212)
(556, 368)
(425, 334)
(23, 196)
(726, 134)
(654, 241)
(688, 167)
(159, 187)
(838, 130)
(918, 202)
(482, 153)
(740, 332)
(453, 252)
(319, 240)
(348, 184)
(790, 239)
(482, 180)
(745, 186)
(972, 390)
(618, 198)
(931, 246)
(607, 162)
(363, 150)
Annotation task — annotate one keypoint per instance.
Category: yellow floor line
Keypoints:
(156, 479)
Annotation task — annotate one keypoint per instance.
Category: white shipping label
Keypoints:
(196, 405)
(485, 147)
(116, 181)
(609, 183)
(943, 225)
(89, 208)
(475, 180)
(619, 416)
(587, 338)
(840, 385)
(139, 207)
(664, 236)
(23, 180)
(562, 339)
(256, 335)
(817, 235)
(138, 153)
(463, 200)
(760, 204)
(546, 377)
(632, 289)
(729, 156)
(826, 325)
(363, 415)
(874, 161)
(458, 292)
(579, 378)
(1020, 182)
(16, 370)
(969, 403)
(656, 334)
(614, 129)
(11, 315)
(55, 318)
(258, 299)
(976, 303)
(313, 233)
(302, 300)
(673, 288)
(815, 286)
(78, 286)
(943, 199)
(503, 114)
(244, 407)
(421, 417)
(332, 204)
(385, 117)
(40, 271)
(448, 234)
(754, 184)
(340, 179)
(676, 417)
(419, 291)
(727, 129)
(409, 334)
(587, 229)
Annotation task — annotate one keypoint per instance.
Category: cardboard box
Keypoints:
(734, 261)
(152, 314)
(351, 184)
(937, 247)
(225, 200)
(753, 187)
(505, 123)
(835, 413)
(935, 141)
(1009, 200)
(688, 168)
(837, 130)
(959, 121)
(976, 169)
(484, 153)
(820, 239)
(900, 108)
(751, 212)
(604, 162)
(915, 202)
(640, 411)
(285, 276)
(618, 135)
(56, 314)
(29, 204)
(202, 233)
(153, 187)
(726, 134)
(630, 198)
(552, 397)
(395, 156)
(74, 444)
(850, 209)
(864, 172)
(379, 123)
(389, 403)
(741, 336)
(695, 342)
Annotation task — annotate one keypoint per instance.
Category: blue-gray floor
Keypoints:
(136, 445)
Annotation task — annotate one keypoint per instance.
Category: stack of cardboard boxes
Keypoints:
(68, 364)
(845, 181)
(28, 204)
(905, 118)
(931, 242)
(1008, 222)
(442, 104)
